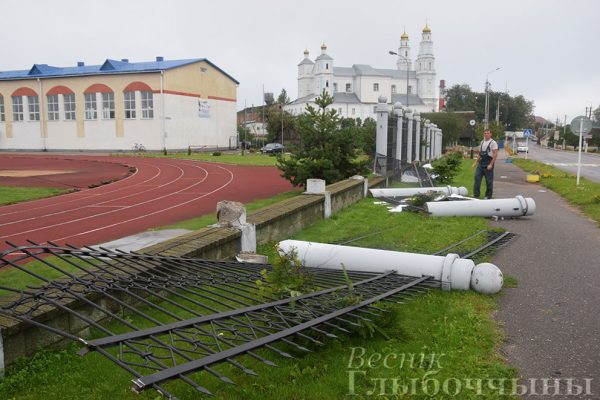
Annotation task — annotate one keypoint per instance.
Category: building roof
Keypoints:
(109, 67)
(413, 99)
(323, 56)
(306, 61)
(343, 97)
(367, 70)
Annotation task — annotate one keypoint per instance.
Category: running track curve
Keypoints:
(160, 192)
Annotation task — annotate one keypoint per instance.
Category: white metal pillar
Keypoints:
(409, 142)
(418, 136)
(399, 113)
(382, 111)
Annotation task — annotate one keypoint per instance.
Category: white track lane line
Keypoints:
(106, 201)
(78, 193)
(152, 213)
(109, 212)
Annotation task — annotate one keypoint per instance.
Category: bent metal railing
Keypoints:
(171, 318)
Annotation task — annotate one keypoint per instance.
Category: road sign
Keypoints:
(527, 133)
(581, 124)
(472, 122)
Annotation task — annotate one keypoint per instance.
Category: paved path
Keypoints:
(552, 318)
(159, 192)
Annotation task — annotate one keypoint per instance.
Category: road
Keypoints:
(567, 161)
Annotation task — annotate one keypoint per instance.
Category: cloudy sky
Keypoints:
(547, 49)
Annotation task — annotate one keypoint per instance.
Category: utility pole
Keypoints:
(487, 98)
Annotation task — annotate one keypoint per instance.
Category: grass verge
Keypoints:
(438, 345)
(15, 194)
(227, 158)
(585, 196)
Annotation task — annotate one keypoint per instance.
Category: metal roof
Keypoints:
(413, 99)
(367, 70)
(306, 61)
(343, 97)
(109, 67)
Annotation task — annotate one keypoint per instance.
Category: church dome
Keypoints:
(404, 36)
(426, 29)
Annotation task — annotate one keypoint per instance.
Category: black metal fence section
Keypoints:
(482, 244)
(182, 317)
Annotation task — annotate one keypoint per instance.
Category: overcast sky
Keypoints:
(547, 50)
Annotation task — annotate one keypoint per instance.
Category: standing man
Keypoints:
(486, 158)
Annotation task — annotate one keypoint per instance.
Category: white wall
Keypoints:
(183, 125)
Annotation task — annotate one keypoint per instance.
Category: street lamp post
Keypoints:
(393, 53)
(487, 98)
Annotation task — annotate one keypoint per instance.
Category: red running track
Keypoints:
(160, 192)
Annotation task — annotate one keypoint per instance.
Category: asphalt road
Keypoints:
(551, 317)
(567, 160)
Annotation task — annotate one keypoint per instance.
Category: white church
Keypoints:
(356, 89)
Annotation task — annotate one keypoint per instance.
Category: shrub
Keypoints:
(447, 167)
(216, 153)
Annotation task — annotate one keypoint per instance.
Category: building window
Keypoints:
(326, 83)
(430, 65)
(108, 105)
(393, 89)
(52, 107)
(147, 105)
(335, 86)
(69, 106)
(1, 109)
(129, 105)
(326, 66)
(353, 111)
(406, 53)
(376, 87)
(340, 111)
(17, 103)
(409, 89)
(91, 108)
(374, 109)
(348, 88)
(33, 103)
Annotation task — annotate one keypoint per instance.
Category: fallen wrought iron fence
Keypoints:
(480, 245)
(182, 317)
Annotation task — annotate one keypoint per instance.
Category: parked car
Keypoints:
(272, 148)
(522, 148)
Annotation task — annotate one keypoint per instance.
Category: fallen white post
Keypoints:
(514, 207)
(453, 272)
(407, 192)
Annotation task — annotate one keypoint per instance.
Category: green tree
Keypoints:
(515, 112)
(462, 98)
(327, 150)
(452, 125)
(273, 122)
(283, 98)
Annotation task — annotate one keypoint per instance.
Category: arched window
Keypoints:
(146, 95)
(18, 104)
(107, 98)
(52, 97)
(1, 108)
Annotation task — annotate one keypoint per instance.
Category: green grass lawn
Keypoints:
(246, 159)
(585, 196)
(15, 194)
(454, 328)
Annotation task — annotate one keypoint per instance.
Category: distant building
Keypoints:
(252, 118)
(356, 89)
(158, 104)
